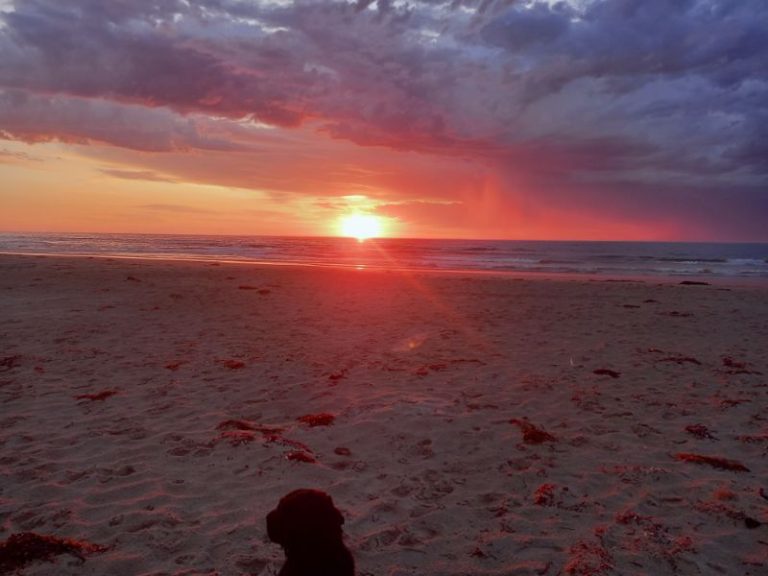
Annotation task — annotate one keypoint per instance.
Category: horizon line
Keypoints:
(386, 238)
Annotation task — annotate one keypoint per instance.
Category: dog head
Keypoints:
(302, 517)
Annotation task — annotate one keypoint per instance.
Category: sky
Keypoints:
(529, 119)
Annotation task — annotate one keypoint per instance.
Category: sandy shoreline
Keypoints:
(118, 378)
(713, 280)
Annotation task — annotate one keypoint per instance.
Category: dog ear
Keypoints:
(338, 517)
(335, 515)
(275, 528)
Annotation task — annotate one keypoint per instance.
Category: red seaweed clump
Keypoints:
(681, 360)
(300, 456)
(321, 419)
(103, 395)
(588, 559)
(714, 461)
(606, 372)
(26, 547)
(544, 495)
(232, 364)
(335, 376)
(531, 433)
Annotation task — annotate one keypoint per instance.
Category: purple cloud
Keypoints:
(31, 117)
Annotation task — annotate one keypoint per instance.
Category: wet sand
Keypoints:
(465, 424)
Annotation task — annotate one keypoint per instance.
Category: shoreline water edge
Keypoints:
(600, 259)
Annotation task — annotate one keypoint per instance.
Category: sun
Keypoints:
(361, 226)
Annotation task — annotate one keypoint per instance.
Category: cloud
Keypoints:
(655, 96)
(174, 208)
(10, 156)
(40, 118)
(421, 76)
(147, 175)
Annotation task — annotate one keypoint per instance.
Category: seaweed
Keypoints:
(299, 456)
(532, 434)
(681, 360)
(103, 395)
(588, 559)
(232, 364)
(173, 366)
(606, 372)
(321, 419)
(337, 375)
(26, 547)
(544, 495)
(714, 461)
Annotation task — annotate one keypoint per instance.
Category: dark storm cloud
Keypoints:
(149, 53)
(649, 91)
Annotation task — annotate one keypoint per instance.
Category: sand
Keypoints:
(469, 424)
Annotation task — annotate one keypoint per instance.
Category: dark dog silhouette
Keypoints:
(308, 527)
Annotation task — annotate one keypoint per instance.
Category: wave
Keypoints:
(620, 258)
(692, 260)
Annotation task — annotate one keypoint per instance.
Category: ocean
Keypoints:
(608, 259)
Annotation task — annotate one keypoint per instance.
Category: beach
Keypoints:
(464, 423)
